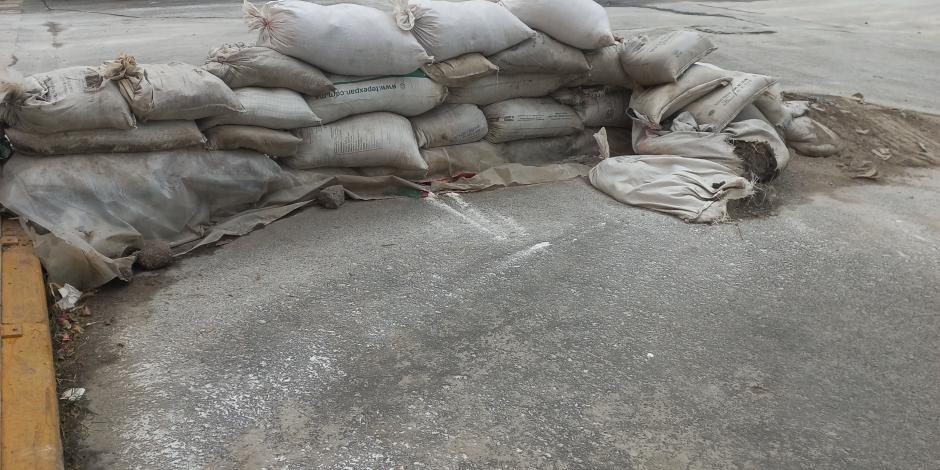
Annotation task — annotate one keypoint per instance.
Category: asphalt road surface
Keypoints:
(546, 326)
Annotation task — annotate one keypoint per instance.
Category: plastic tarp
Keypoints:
(94, 211)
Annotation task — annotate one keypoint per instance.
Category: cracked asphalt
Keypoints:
(545, 326)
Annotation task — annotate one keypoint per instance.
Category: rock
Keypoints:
(332, 197)
(155, 254)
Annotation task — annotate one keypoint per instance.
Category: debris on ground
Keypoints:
(72, 394)
(155, 254)
(878, 141)
(69, 297)
(332, 197)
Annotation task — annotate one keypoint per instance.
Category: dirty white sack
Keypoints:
(813, 139)
(530, 118)
(374, 139)
(450, 29)
(714, 111)
(721, 147)
(606, 68)
(146, 137)
(274, 108)
(579, 23)
(598, 106)
(344, 39)
(652, 106)
(663, 59)
(541, 54)
(449, 124)
(407, 95)
(260, 139)
(69, 99)
(460, 71)
(497, 87)
(693, 189)
(239, 66)
(174, 91)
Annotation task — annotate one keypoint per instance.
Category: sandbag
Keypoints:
(69, 99)
(260, 139)
(374, 139)
(606, 68)
(716, 110)
(343, 39)
(749, 148)
(274, 108)
(692, 189)
(456, 160)
(651, 106)
(578, 23)
(549, 149)
(655, 61)
(449, 29)
(173, 91)
(530, 118)
(771, 105)
(494, 88)
(147, 137)
(460, 71)
(598, 106)
(241, 66)
(407, 95)
(541, 54)
(449, 124)
(813, 139)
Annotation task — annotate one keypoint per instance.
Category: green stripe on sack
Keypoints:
(416, 74)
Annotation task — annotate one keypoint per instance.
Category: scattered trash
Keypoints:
(70, 296)
(862, 131)
(883, 153)
(73, 394)
(866, 170)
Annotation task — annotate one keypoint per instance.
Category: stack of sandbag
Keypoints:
(514, 97)
(119, 107)
(461, 95)
(272, 88)
(702, 135)
(412, 84)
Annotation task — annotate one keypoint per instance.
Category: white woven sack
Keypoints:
(366, 140)
(344, 39)
(274, 108)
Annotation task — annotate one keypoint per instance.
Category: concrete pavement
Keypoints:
(539, 327)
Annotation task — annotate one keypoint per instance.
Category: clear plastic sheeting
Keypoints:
(88, 214)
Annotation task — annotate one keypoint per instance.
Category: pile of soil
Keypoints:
(879, 141)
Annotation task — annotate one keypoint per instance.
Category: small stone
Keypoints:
(332, 197)
(155, 254)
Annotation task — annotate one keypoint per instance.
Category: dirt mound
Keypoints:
(879, 141)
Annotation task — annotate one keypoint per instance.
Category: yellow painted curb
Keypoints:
(29, 410)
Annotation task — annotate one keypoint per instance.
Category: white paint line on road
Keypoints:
(432, 198)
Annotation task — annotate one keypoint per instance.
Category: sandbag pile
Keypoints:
(702, 135)
(451, 95)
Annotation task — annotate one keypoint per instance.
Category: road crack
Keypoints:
(120, 15)
(697, 13)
